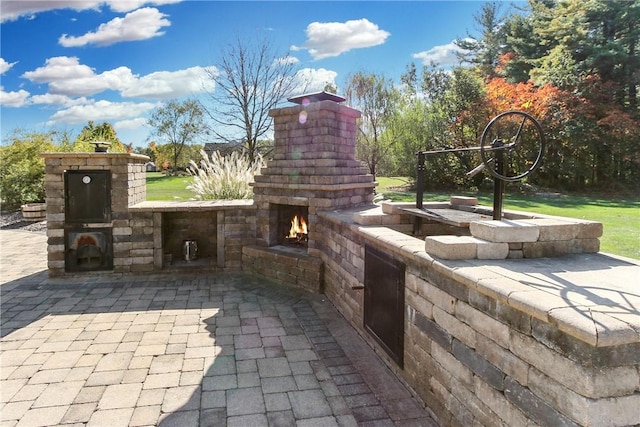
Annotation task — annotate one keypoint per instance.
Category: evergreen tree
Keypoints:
(484, 52)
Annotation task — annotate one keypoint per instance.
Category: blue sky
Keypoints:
(65, 62)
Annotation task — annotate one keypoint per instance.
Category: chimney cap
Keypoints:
(100, 146)
(315, 97)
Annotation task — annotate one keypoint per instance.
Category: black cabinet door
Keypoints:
(87, 196)
(384, 301)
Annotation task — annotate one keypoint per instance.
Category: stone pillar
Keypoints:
(128, 187)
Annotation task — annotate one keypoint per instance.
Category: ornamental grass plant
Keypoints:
(223, 177)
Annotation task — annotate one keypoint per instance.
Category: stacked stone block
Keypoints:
(291, 268)
(238, 231)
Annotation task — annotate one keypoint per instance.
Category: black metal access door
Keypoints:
(384, 301)
(87, 196)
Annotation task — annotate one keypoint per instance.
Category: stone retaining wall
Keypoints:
(475, 352)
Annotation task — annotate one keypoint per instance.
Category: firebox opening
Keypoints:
(293, 225)
(88, 250)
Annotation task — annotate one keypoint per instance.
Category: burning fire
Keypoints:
(298, 227)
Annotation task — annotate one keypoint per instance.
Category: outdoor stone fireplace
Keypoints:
(313, 169)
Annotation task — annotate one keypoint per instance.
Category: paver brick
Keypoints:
(273, 367)
(59, 393)
(114, 361)
(244, 401)
(48, 376)
(309, 404)
(14, 411)
(134, 376)
(120, 396)
(110, 417)
(89, 394)
(219, 382)
(247, 420)
(110, 336)
(278, 384)
(162, 380)
(165, 364)
(277, 402)
(79, 413)
(150, 349)
(151, 397)
(145, 416)
(183, 398)
(42, 416)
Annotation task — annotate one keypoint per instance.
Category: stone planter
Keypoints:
(34, 211)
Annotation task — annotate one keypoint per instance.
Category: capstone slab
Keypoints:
(505, 231)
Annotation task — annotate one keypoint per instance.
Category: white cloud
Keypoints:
(13, 99)
(68, 77)
(141, 24)
(314, 79)
(443, 55)
(129, 5)
(171, 84)
(100, 111)
(12, 10)
(5, 66)
(130, 124)
(52, 99)
(327, 39)
(59, 68)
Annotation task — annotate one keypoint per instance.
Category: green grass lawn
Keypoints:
(620, 217)
(162, 187)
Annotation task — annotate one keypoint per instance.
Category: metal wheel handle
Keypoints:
(519, 139)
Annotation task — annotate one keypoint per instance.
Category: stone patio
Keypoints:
(182, 350)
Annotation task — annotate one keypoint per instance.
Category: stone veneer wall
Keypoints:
(475, 357)
(131, 236)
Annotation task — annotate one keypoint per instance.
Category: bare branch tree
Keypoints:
(250, 80)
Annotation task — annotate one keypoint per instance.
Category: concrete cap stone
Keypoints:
(505, 231)
(451, 247)
(554, 229)
(463, 200)
(492, 250)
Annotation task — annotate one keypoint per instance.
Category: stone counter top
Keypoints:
(192, 205)
(594, 297)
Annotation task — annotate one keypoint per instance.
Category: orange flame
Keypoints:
(298, 226)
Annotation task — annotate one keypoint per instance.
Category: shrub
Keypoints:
(223, 177)
(22, 170)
